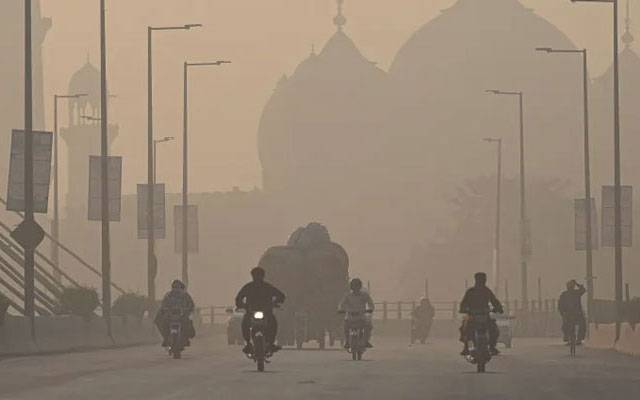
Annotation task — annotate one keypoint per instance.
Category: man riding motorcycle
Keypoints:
(360, 302)
(177, 297)
(476, 301)
(259, 295)
(422, 319)
(570, 307)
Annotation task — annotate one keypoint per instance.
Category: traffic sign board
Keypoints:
(28, 234)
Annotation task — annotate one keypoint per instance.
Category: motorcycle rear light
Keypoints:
(258, 315)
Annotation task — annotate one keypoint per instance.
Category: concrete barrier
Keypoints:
(601, 336)
(69, 333)
(629, 342)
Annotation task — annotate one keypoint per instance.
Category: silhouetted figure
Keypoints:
(570, 307)
(259, 295)
(177, 297)
(479, 300)
(356, 304)
(422, 320)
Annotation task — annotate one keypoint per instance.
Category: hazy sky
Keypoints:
(264, 39)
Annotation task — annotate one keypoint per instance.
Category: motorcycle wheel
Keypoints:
(259, 352)
(174, 349)
(359, 354)
(481, 367)
(354, 355)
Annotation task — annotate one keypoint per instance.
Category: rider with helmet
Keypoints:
(570, 307)
(357, 301)
(177, 297)
(477, 300)
(259, 295)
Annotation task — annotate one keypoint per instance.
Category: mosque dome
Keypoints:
(317, 129)
(602, 115)
(442, 111)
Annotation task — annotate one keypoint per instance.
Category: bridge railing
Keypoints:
(402, 310)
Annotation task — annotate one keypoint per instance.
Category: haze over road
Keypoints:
(534, 369)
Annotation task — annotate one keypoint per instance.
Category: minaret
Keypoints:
(82, 139)
(627, 37)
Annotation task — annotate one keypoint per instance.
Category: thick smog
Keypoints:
(319, 199)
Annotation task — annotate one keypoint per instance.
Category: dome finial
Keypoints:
(340, 21)
(627, 38)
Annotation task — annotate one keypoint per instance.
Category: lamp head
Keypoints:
(544, 49)
(190, 26)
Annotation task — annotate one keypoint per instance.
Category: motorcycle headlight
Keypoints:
(258, 315)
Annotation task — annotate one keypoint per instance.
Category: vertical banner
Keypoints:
(580, 228)
(608, 216)
(159, 212)
(42, 145)
(192, 234)
(95, 188)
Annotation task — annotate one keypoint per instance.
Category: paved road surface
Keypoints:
(534, 369)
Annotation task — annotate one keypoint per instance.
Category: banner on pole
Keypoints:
(608, 216)
(114, 172)
(192, 234)
(159, 212)
(42, 147)
(581, 225)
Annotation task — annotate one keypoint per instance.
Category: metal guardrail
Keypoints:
(401, 310)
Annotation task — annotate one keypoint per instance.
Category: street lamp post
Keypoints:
(497, 272)
(587, 171)
(524, 223)
(616, 164)
(152, 262)
(104, 173)
(55, 253)
(29, 219)
(185, 164)
(155, 154)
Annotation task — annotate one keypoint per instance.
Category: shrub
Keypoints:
(631, 311)
(4, 306)
(130, 304)
(80, 301)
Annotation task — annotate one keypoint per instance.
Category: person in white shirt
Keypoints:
(355, 304)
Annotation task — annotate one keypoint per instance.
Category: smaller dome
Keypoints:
(86, 81)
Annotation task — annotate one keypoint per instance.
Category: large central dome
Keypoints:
(440, 77)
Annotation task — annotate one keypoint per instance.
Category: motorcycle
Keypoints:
(357, 338)
(177, 337)
(261, 349)
(478, 341)
(420, 330)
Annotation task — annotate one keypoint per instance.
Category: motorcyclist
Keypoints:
(177, 297)
(476, 301)
(259, 295)
(357, 301)
(570, 307)
(422, 317)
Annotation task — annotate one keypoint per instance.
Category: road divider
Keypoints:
(57, 334)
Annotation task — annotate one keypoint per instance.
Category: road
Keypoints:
(533, 369)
